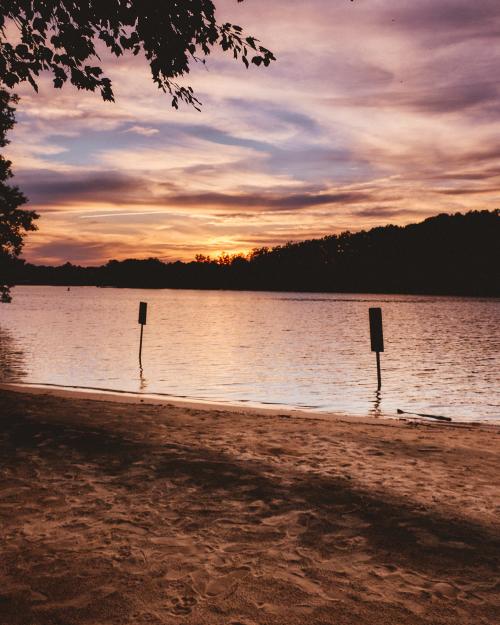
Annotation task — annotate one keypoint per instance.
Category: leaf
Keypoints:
(170, 36)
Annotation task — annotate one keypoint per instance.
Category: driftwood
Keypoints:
(429, 416)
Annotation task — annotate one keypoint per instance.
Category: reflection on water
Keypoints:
(12, 367)
(143, 385)
(313, 350)
(375, 410)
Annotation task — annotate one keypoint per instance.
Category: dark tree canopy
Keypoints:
(60, 36)
(447, 254)
(14, 221)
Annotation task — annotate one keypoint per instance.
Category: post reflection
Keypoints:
(376, 411)
(143, 383)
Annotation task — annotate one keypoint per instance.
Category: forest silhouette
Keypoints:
(455, 254)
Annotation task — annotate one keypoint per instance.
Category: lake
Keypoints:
(300, 350)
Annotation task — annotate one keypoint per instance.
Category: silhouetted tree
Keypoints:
(14, 221)
(446, 254)
(60, 36)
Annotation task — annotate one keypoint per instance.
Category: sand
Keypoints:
(130, 513)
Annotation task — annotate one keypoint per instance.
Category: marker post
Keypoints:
(143, 309)
(376, 338)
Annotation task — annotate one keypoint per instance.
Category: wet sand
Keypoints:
(118, 513)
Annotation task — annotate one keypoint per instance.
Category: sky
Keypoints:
(375, 112)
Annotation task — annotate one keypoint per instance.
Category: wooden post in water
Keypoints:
(379, 376)
(143, 309)
(376, 338)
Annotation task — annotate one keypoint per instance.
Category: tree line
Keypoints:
(448, 254)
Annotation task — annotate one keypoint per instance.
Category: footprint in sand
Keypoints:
(183, 605)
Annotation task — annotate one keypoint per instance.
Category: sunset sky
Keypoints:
(376, 111)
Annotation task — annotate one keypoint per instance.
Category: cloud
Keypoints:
(286, 202)
(470, 190)
(446, 21)
(440, 99)
(73, 249)
(143, 130)
(53, 189)
(49, 188)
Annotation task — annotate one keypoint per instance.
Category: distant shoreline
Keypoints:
(235, 290)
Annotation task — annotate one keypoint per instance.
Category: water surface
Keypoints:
(301, 350)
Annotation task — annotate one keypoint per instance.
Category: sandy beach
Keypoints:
(151, 514)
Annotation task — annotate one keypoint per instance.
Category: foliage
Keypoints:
(14, 221)
(62, 36)
(446, 254)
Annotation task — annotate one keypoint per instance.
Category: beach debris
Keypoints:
(429, 416)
